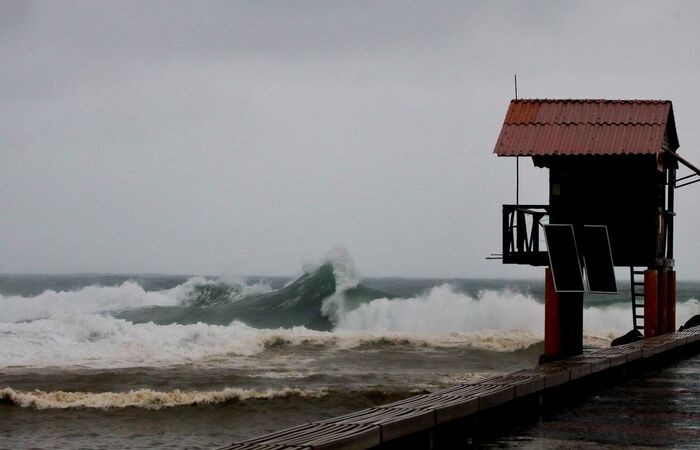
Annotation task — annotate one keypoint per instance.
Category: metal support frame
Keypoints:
(687, 164)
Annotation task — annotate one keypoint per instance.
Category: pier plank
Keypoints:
(489, 395)
(552, 374)
(445, 407)
(616, 356)
(596, 363)
(523, 384)
(652, 348)
(393, 422)
(577, 368)
(632, 351)
(689, 336)
(253, 446)
(317, 436)
(453, 408)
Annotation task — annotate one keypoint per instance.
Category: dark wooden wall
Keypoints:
(626, 193)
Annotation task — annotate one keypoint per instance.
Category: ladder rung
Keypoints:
(636, 318)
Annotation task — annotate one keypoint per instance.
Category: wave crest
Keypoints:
(88, 300)
(145, 398)
(213, 292)
(101, 341)
(442, 309)
(502, 321)
(196, 291)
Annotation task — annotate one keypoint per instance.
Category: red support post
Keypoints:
(671, 316)
(651, 303)
(663, 302)
(552, 331)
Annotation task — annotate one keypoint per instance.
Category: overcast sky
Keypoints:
(251, 137)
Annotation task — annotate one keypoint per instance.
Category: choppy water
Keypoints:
(148, 361)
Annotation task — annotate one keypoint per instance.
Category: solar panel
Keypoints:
(597, 259)
(563, 258)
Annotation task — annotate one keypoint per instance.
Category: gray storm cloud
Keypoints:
(247, 137)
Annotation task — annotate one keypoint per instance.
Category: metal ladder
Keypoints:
(637, 290)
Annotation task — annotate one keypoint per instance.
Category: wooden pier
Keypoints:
(457, 416)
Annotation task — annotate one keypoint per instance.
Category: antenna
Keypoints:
(517, 158)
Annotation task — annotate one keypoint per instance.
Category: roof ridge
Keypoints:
(611, 124)
(590, 100)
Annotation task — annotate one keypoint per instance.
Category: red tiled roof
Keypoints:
(586, 127)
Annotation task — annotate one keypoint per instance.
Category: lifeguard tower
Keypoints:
(612, 175)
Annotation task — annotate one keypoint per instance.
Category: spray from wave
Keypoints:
(503, 313)
(90, 299)
(97, 341)
(217, 322)
(346, 279)
(443, 309)
(196, 291)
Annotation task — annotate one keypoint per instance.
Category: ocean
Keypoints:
(152, 361)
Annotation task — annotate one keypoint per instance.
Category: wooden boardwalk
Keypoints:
(457, 414)
(660, 409)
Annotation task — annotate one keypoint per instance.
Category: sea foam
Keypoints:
(501, 321)
(91, 299)
(99, 341)
(77, 329)
(443, 309)
(145, 398)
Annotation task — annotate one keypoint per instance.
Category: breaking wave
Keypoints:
(146, 398)
(443, 309)
(90, 299)
(216, 321)
(196, 291)
(100, 341)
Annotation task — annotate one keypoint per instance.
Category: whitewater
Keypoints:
(79, 328)
(188, 350)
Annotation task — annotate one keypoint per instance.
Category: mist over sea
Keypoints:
(148, 361)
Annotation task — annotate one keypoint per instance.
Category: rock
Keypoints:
(692, 322)
(632, 336)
